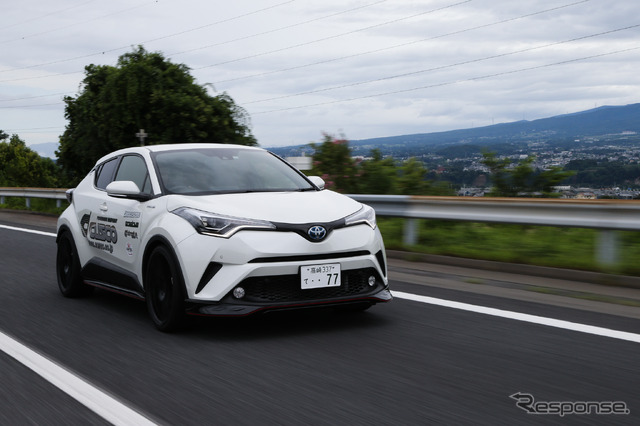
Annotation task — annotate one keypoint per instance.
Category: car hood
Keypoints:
(284, 207)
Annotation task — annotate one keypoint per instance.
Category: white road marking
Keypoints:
(101, 403)
(30, 231)
(567, 325)
(98, 401)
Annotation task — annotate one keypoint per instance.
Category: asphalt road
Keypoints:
(402, 363)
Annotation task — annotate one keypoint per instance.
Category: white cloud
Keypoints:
(373, 68)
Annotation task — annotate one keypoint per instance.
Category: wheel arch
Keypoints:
(61, 230)
(155, 241)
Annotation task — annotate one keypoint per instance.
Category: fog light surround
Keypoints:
(372, 281)
(238, 292)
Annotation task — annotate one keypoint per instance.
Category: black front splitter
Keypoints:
(198, 308)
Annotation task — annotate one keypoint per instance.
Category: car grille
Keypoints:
(286, 288)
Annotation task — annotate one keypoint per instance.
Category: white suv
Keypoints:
(217, 230)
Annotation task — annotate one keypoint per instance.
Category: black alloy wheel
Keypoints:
(164, 290)
(68, 268)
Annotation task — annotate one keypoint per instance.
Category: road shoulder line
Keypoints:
(98, 401)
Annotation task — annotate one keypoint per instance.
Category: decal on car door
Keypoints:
(131, 225)
(101, 233)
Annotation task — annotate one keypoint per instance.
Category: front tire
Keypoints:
(164, 290)
(68, 268)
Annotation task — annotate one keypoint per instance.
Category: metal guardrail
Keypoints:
(608, 216)
(29, 193)
(597, 214)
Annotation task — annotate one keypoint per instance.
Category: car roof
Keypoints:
(173, 147)
(178, 146)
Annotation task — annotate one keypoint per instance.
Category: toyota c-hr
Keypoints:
(217, 230)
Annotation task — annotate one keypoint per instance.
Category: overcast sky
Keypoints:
(361, 68)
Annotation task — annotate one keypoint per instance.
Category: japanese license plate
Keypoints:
(320, 276)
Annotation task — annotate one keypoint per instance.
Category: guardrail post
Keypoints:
(410, 232)
(58, 203)
(607, 246)
(1, 199)
(28, 202)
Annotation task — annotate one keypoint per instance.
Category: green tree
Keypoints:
(20, 166)
(522, 179)
(500, 176)
(144, 91)
(551, 177)
(332, 161)
(378, 175)
(412, 180)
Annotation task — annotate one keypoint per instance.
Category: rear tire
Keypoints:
(164, 292)
(68, 268)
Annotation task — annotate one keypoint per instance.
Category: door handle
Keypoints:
(104, 207)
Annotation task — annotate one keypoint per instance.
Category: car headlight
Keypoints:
(365, 215)
(219, 225)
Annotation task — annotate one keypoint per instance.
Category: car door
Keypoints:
(91, 205)
(126, 215)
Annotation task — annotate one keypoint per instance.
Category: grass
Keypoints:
(572, 248)
(40, 205)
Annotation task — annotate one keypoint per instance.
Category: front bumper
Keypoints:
(213, 267)
(271, 293)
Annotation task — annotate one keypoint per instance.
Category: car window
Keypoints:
(104, 176)
(133, 168)
(210, 171)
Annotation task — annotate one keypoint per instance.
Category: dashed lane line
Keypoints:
(534, 319)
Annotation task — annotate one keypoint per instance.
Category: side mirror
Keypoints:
(126, 189)
(317, 181)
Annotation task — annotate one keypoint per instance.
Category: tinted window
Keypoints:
(222, 170)
(105, 173)
(133, 168)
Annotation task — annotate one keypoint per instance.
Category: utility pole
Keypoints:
(142, 136)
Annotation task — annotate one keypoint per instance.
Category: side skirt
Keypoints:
(100, 273)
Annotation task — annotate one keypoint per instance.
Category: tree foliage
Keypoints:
(378, 175)
(374, 175)
(603, 173)
(22, 167)
(332, 161)
(144, 91)
(413, 179)
(522, 179)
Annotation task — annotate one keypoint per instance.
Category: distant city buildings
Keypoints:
(566, 192)
(605, 165)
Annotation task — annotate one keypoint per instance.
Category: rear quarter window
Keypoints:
(104, 174)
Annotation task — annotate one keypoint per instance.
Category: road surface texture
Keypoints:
(408, 362)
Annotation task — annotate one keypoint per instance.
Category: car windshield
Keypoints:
(204, 171)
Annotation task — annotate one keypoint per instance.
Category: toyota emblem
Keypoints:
(317, 233)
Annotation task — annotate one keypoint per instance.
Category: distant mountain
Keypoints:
(45, 149)
(605, 120)
(595, 122)
(600, 121)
